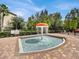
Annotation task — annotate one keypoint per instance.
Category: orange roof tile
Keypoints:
(41, 24)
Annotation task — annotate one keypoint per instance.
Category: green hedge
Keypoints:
(5, 34)
(27, 33)
(55, 31)
(8, 34)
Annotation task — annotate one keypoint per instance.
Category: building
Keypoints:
(7, 19)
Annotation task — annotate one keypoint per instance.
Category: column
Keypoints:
(42, 30)
(37, 30)
(46, 30)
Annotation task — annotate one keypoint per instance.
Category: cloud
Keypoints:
(23, 13)
(66, 6)
(25, 1)
(30, 1)
(23, 8)
(63, 6)
(19, 12)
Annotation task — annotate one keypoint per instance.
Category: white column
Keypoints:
(37, 29)
(46, 30)
(42, 30)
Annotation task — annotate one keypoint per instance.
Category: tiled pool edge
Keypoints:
(20, 46)
(22, 52)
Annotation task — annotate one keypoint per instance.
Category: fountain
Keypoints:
(42, 26)
(33, 43)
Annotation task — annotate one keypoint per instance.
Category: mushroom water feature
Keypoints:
(42, 27)
(37, 43)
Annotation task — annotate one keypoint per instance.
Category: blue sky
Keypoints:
(26, 8)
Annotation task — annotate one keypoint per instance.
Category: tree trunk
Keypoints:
(2, 21)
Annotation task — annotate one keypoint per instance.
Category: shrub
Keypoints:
(8, 33)
(5, 34)
(27, 33)
(55, 31)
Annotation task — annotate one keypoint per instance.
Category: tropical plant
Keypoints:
(53, 20)
(17, 23)
(39, 17)
(56, 21)
(4, 12)
(71, 20)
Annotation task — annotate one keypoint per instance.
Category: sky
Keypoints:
(26, 8)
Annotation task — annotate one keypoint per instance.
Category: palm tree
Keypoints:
(4, 12)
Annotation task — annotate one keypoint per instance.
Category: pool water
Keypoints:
(36, 44)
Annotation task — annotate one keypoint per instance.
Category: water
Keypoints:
(33, 44)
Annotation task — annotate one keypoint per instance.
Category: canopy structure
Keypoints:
(43, 27)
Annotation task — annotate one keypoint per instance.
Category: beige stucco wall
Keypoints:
(7, 19)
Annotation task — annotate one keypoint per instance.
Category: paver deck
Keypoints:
(70, 50)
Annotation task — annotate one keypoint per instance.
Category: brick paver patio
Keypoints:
(70, 50)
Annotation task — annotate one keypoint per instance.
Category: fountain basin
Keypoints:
(36, 44)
